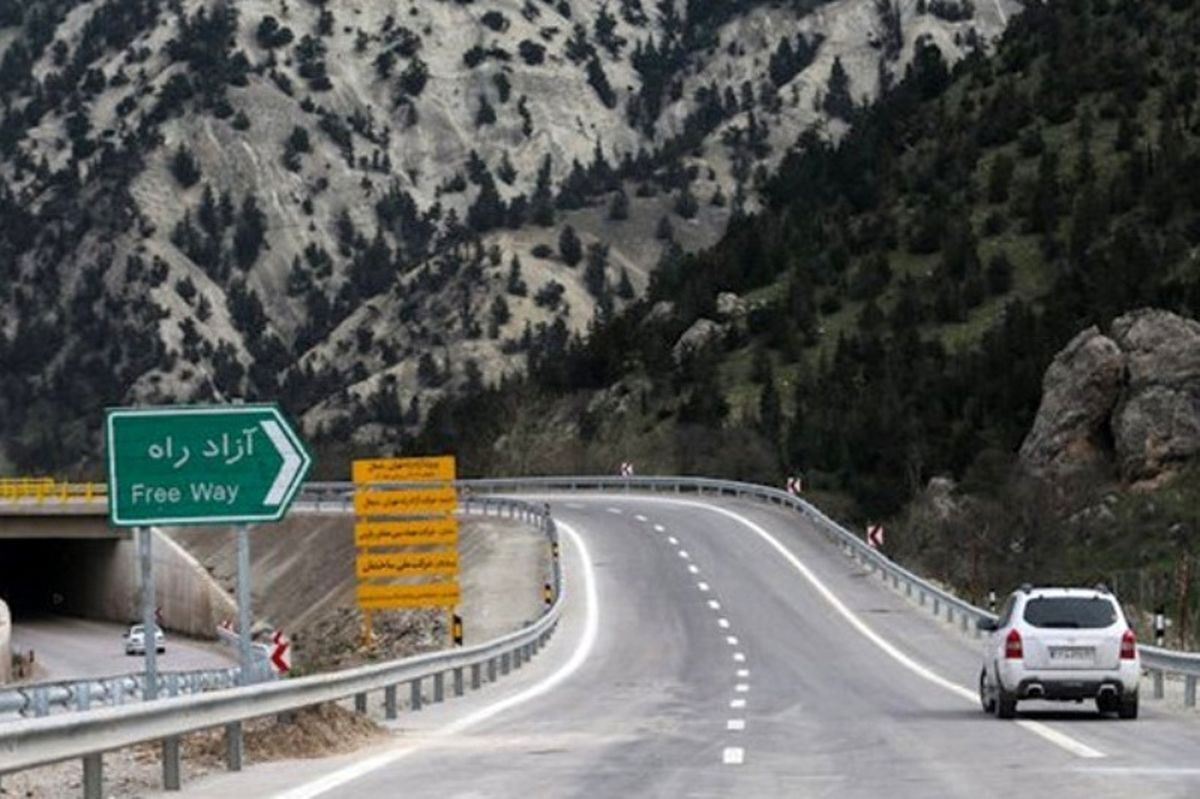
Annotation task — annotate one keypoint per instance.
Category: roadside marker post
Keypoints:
(875, 536)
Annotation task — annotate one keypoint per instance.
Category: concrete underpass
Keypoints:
(71, 583)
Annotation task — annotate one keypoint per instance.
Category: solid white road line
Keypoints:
(733, 756)
(735, 724)
(1060, 739)
(737, 704)
(583, 648)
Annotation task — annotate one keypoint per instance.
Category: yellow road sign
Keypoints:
(406, 564)
(440, 469)
(405, 502)
(418, 532)
(408, 596)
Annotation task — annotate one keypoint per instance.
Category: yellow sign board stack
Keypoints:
(405, 533)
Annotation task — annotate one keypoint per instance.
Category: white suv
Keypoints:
(1066, 644)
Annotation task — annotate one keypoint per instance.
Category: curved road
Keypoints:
(723, 648)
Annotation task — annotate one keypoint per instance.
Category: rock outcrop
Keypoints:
(696, 337)
(1079, 392)
(1157, 423)
(1130, 399)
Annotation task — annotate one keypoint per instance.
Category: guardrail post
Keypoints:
(908, 588)
(937, 606)
(83, 695)
(1158, 683)
(964, 622)
(93, 777)
(458, 682)
(1189, 690)
(476, 676)
(439, 687)
(414, 700)
(233, 746)
(491, 669)
(505, 663)
(389, 703)
(360, 704)
(170, 762)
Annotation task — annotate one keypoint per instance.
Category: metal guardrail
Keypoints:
(42, 699)
(87, 735)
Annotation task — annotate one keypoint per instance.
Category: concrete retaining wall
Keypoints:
(5, 644)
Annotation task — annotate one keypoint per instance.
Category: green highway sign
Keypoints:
(228, 464)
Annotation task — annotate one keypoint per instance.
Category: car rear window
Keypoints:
(1070, 613)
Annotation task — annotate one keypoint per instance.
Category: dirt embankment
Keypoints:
(303, 583)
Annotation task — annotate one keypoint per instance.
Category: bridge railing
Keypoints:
(47, 489)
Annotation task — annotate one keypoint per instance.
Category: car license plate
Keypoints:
(1072, 653)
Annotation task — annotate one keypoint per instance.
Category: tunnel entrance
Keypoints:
(71, 577)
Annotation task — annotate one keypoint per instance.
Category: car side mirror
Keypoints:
(987, 625)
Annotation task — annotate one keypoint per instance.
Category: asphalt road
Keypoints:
(67, 648)
(729, 650)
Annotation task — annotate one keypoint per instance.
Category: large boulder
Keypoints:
(1130, 399)
(1079, 392)
(1156, 426)
(696, 337)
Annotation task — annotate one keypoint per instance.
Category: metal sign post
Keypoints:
(243, 601)
(149, 622)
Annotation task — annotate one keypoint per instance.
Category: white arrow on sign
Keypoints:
(292, 462)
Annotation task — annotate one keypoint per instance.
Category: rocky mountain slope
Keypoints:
(355, 206)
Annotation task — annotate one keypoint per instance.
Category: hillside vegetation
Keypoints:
(906, 288)
(356, 208)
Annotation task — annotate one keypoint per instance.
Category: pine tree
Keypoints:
(569, 246)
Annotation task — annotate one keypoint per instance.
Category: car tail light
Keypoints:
(1128, 646)
(1012, 646)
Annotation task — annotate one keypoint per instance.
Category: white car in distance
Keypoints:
(135, 640)
(1063, 644)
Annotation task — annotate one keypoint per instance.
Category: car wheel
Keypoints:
(985, 699)
(1128, 709)
(1107, 704)
(1006, 703)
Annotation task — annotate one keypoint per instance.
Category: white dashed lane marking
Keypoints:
(616, 511)
(735, 724)
(741, 688)
(733, 756)
(658, 528)
(684, 554)
(672, 540)
(640, 517)
(743, 673)
(714, 604)
(702, 586)
(737, 704)
(739, 657)
(694, 569)
(731, 640)
(723, 624)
